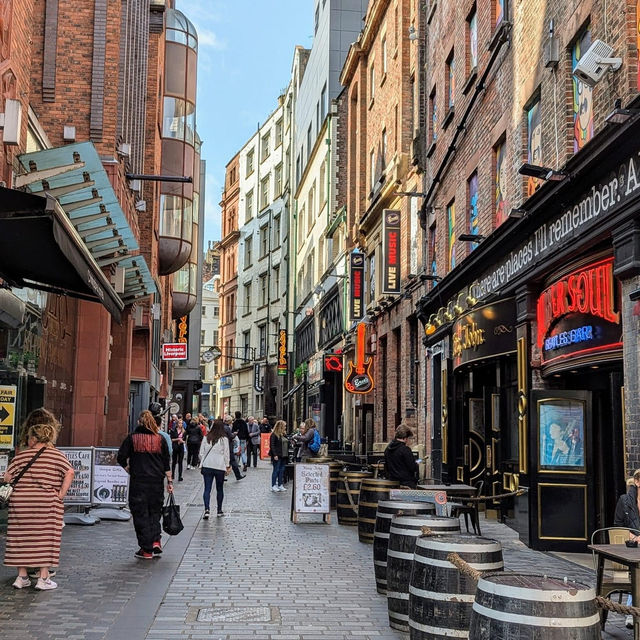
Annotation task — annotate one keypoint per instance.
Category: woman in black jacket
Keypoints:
(279, 452)
(194, 440)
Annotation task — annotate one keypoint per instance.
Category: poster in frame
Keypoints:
(561, 435)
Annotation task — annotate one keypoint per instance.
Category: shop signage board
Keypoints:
(310, 491)
(110, 480)
(485, 332)
(7, 415)
(391, 248)
(174, 351)
(333, 363)
(265, 446)
(257, 378)
(283, 363)
(81, 459)
(359, 378)
(577, 315)
(356, 286)
(4, 463)
(226, 382)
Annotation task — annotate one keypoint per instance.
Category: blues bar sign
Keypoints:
(356, 280)
(282, 352)
(391, 251)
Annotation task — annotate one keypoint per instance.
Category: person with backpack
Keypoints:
(241, 427)
(310, 440)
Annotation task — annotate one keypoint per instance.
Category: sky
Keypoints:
(245, 51)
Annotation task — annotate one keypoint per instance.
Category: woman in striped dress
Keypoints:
(35, 510)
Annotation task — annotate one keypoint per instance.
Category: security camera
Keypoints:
(595, 63)
(178, 396)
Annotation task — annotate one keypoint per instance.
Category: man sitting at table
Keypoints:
(399, 462)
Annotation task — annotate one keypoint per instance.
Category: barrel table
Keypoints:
(440, 597)
(403, 534)
(372, 490)
(386, 510)
(349, 496)
(334, 471)
(532, 607)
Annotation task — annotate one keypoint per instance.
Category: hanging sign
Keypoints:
(356, 285)
(174, 351)
(391, 251)
(110, 480)
(257, 378)
(359, 378)
(333, 363)
(265, 446)
(7, 415)
(81, 459)
(283, 365)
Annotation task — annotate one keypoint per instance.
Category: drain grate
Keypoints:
(236, 614)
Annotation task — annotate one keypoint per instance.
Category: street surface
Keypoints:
(250, 575)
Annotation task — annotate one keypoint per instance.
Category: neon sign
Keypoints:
(566, 338)
(282, 353)
(588, 291)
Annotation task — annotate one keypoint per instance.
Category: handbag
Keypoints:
(6, 488)
(171, 522)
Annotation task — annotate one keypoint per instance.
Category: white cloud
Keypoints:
(208, 38)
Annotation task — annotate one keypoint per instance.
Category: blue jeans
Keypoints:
(243, 452)
(209, 475)
(277, 475)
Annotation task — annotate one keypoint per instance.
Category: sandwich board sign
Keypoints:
(311, 491)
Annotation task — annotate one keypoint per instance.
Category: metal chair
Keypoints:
(469, 509)
(615, 578)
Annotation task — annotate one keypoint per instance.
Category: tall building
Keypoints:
(209, 338)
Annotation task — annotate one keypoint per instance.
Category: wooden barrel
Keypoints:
(533, 607)
(403, 534)
(349, 495)
(440, 597)
(386, 510)
(372, 490)
(334, 472)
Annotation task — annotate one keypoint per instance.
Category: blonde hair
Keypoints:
(280, 428)
(42, 425)
(310, 423)
(148, 421)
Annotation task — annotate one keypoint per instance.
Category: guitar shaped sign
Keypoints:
(359, 378)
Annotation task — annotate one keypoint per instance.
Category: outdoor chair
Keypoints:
(615, 577)
(469, 509)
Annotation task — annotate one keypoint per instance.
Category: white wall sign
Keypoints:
(81, 459)
(311, 486)
(110, 480)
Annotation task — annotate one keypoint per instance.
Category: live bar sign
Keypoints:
(282, 352)
(174, 351)
(357, 289)
(391, 251)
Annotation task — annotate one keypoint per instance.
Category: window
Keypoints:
(323, 103)
(372, 277)
(451, 80)
(204, 312)
(451, 243)
(276, 231)
(308, 142)
(534, 144)
(582, 95)
(246, 345)
(473, 222)
(311, 205)
(203, 337)
(216, 311)
(298, 170)
(323, 184)
(277, 181)
(432, 249)
(264, 193)
(318, 117)
(273, 342)
(264, 146)
(300, 220)
(384, 148)
(472, 41)
(248, 205)
(264, 241)
(372, 82)
(498, 11)
(244, 404)
(262, 335)
(264, 291)
(248, 246)
(278, 133)
(247, 297)
(316, 20)
(500, 182)
(383, 48)
(250, 160)
(276, 282)
(433, 119)
(216, 336)
(372, 168)
(396, 27)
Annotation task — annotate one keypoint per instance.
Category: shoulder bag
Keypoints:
(6, 488)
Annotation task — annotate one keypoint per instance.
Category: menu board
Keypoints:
(110, 480)
(80, 458)
(311, 488)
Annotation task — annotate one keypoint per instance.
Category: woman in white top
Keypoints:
(214, 456)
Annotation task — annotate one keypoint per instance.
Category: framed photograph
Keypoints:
(561, 435)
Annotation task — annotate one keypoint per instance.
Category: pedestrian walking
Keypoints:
(279, 452)
(194, 439)
(178, 437)
(241, 428)
(231, 435)
(399, 462)
(144, 454)
(253, 443)
(214, 453)
(35, 518)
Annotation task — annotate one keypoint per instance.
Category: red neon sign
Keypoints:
(588, 291)
(333, 362)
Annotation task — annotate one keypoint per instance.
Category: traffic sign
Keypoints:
(7, 415)
(174, 351)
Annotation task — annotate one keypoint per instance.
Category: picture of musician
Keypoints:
(562, 445)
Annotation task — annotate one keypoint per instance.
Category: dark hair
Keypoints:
(216, 432)
(238, 415)
(403, 432)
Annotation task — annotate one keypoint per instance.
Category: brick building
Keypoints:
(531, 227)
(87, 95)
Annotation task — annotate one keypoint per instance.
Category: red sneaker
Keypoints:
(157, 548)
(144, 555)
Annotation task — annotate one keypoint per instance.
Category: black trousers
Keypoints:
(178, 459)
(193, 453)
(252, 450)
(233, 461)
(145, 501)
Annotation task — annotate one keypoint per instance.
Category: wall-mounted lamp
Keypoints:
(471, 237)
(448, 314)
(620, 115)
(457, 307)
(517, 212)
(410, 194)
(471, 299)
(542, 173)
(429, 277)
(432, 324)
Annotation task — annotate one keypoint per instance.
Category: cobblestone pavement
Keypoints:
(250, 575)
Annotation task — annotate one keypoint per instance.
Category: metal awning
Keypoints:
(292, 391)
(39, 248)
(75, 176)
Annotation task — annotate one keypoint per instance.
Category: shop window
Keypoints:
(534, 143)
(433, 117)
(472, 41)
(582, 95)
(451, 80)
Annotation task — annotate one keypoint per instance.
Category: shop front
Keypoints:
(533, 350)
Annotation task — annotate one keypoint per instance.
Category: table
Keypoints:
(451, 489)
(628, 557)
